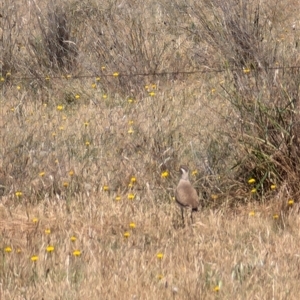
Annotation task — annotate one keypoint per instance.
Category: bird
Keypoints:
(185, 194)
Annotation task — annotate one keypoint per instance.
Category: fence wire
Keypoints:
(120, 74)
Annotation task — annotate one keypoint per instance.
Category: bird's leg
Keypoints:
(182, 216)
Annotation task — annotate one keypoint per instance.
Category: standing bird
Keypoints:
(185, 194)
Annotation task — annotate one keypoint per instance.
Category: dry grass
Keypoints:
(97, 159)
(245, 256)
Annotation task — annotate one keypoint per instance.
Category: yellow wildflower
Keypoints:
(195, 173)
(41, 174)
(105, 188)
(94, 85)
(35, 220)
(65, 184)
(246, 70)
(104, 96)
(132, 225)
(34, 258)
(290, 202)
(152, 94)
(253, 191)
(216, 288)
(116, 74)
(47, 231)
(275, 216)
(252, 213)
(59, 107)
(19, 194)
(50, 249)
(131, 196)
(97, 78)
(76, 252)
(165, 174)
(160, 255)
(87, 143)
(132, 179)
(7, 249)
(130, 130)
(118, 198)
(73, 238)
(251, 181)
(126, 234)
(71, 173)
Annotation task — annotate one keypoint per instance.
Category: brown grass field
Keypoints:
(101, 104)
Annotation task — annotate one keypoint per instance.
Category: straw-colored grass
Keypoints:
(242, 255)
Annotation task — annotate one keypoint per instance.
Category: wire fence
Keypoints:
(120, 74)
